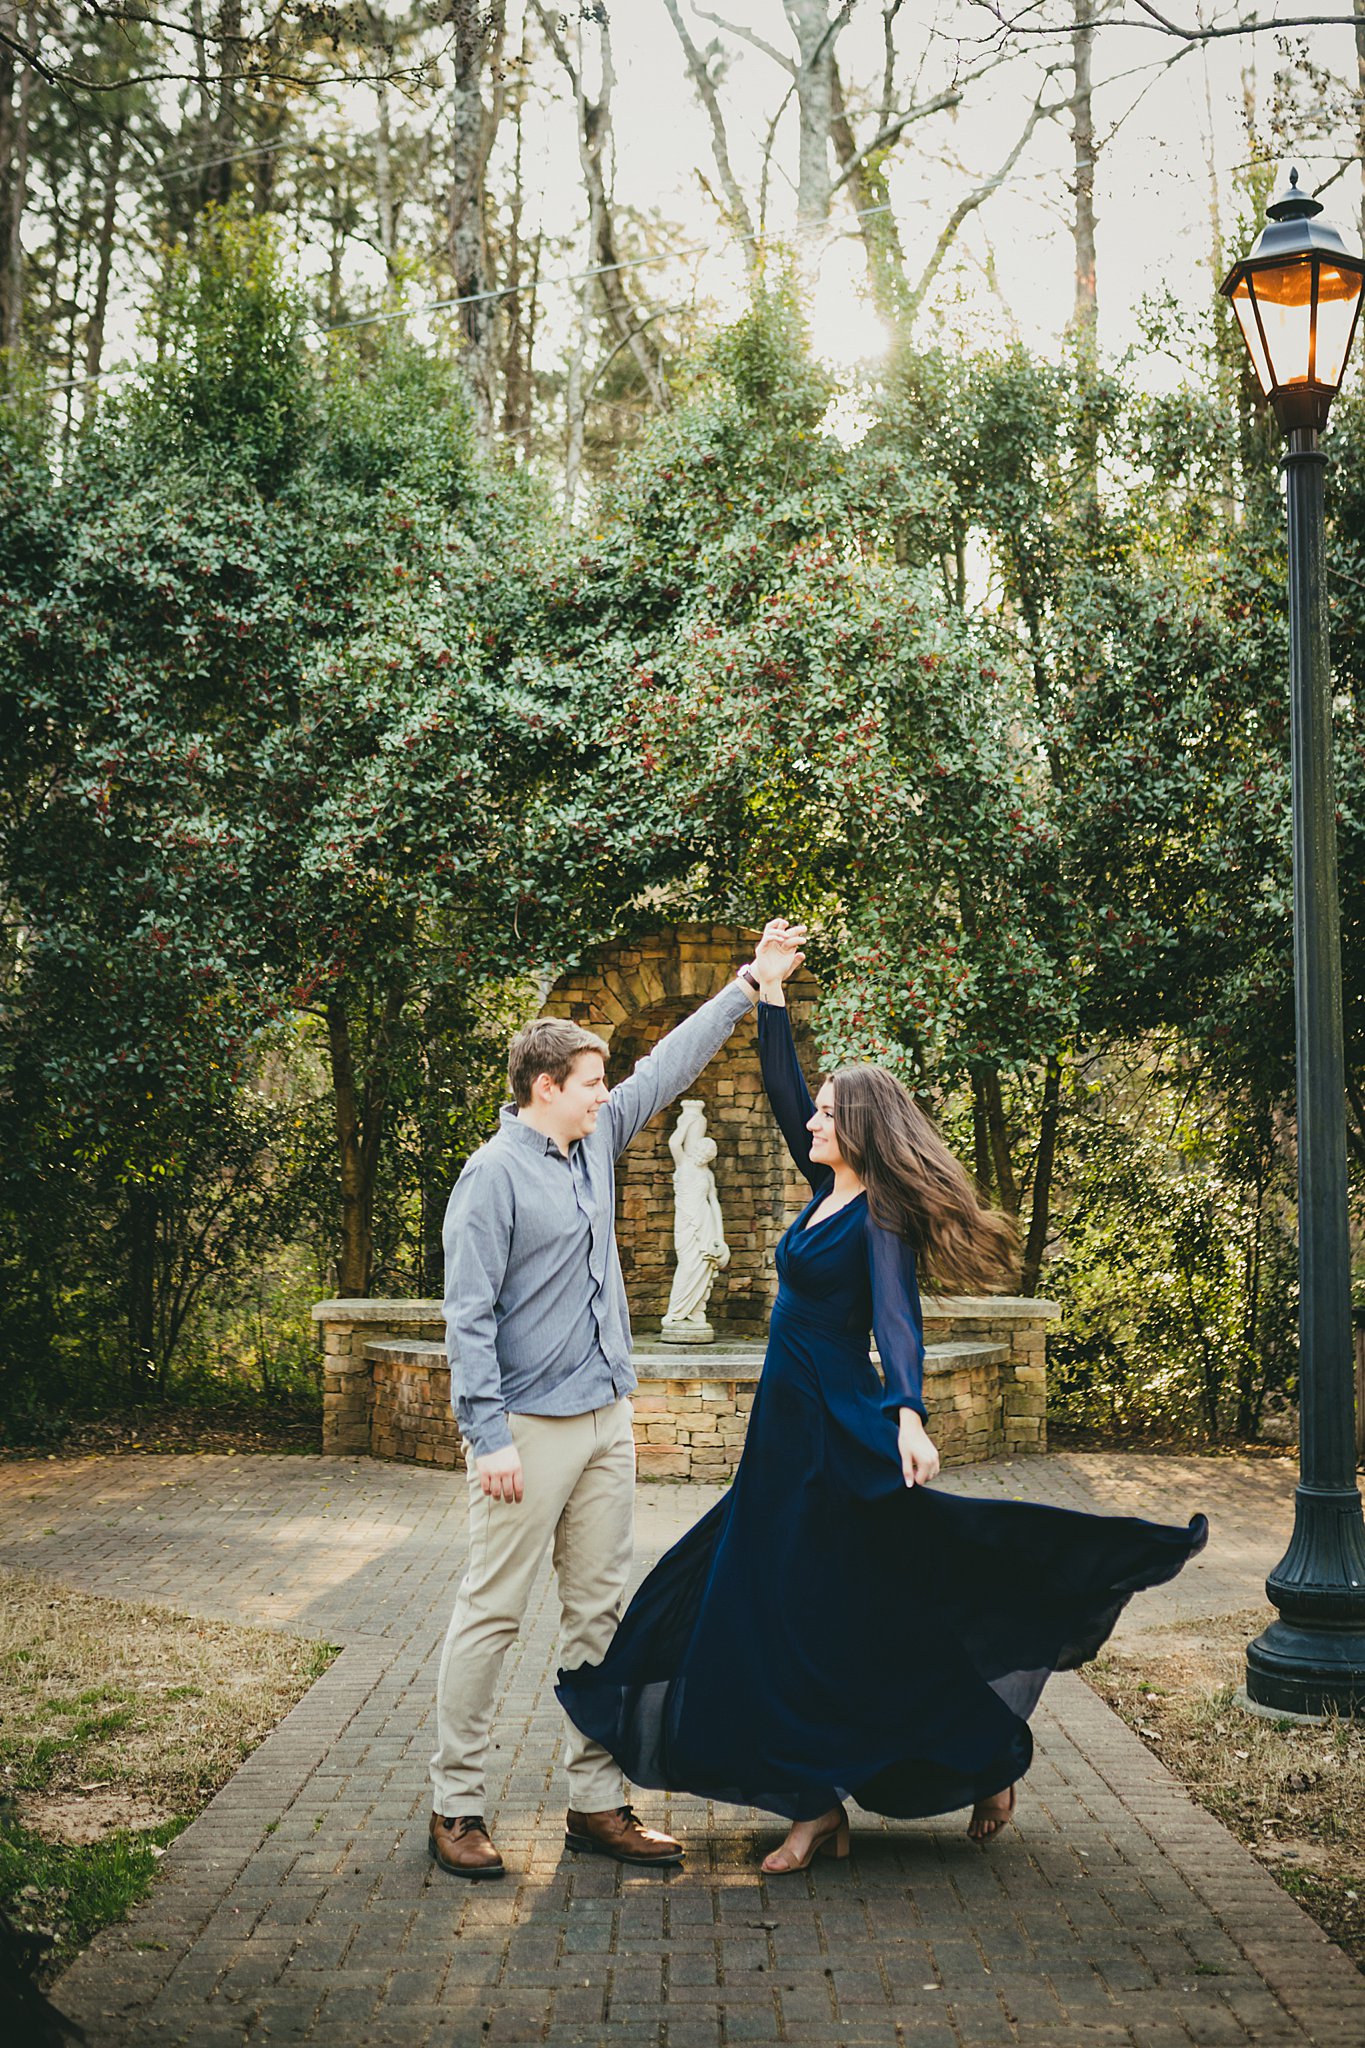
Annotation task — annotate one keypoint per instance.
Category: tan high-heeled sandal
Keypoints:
(834, 1842)
(984, 1827)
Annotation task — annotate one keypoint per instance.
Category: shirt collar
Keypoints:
(526, 1134)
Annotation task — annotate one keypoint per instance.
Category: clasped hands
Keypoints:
(778, 954)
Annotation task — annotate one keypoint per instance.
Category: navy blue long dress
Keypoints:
(825, 1632)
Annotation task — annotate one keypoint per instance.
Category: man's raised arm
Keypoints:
(679, 1057)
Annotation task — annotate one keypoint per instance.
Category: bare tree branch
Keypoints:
(889, 13)
(973, 200)
(746, 35)
(706, 92)
(768, 141)
(1160, 24)
(594, 129)
(884, 136)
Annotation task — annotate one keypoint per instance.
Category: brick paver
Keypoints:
(300, 1906)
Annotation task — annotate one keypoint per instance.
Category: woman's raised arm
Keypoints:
(788, 1095)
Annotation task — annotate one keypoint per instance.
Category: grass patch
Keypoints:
(119, 1722)
(66, 1893)
(1295, 1796)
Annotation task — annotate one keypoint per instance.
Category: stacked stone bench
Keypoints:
(386, 1386)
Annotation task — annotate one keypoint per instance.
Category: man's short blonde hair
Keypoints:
(549, 1046)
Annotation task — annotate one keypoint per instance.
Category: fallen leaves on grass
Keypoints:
(175, 1431)
(120, 1721)
(1294, 1795)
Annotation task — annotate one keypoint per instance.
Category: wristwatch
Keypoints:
(747, 974)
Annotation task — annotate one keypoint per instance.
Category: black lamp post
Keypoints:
(1297, 296)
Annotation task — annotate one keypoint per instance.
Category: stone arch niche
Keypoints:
(386, 1381)
(631, 994)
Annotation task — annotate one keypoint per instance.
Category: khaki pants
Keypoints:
(580, 1495)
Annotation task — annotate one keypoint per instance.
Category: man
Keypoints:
(538, 1337)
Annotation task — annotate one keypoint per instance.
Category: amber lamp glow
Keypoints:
(1296, 297)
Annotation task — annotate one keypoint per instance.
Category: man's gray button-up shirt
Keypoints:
(535, 1306)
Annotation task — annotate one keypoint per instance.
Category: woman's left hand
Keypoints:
(919, 1453)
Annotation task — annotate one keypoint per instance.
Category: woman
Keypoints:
(833, 1629)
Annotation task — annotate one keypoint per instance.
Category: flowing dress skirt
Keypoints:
(826, 1632)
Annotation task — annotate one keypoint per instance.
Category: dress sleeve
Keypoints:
(897, 1319)
(788, 1096)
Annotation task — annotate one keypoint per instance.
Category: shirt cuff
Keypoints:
(493, 1433)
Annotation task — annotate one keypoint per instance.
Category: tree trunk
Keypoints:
(338, 250)
(816, 34)
(575, 402)
(434, 1165)
(357, 1201)
(360, 1111)
(981, 1140)
(1041, 1210)
(383, 191)
(74, 297)
(219, 173)
(9, 312)
(1355, 1122)
(272, 122)
(867, 188)
(594, 142)
(1000, 1141)
(203, 138)
(1086, 312)
(94, 339)
(15, 82)
(1250, 1375)
(478, 26)
(523, 424)
(142, 1224)
(516, 359)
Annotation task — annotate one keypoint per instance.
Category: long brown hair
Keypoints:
(915, 1186)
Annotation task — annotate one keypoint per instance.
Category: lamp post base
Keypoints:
(1311, 1660)
(1309, 1671)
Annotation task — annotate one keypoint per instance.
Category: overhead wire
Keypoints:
(418, 312)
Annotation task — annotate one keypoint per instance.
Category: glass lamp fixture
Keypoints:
(1296, 297)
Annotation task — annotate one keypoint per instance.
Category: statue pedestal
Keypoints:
(687, 1333)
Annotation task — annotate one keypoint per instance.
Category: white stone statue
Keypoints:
(698, 1229)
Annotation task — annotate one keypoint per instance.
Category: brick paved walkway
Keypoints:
(300, 1906)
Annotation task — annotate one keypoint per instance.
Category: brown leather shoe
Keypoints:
(462, 1846)
(618, 1833)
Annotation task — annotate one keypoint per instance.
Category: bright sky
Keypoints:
(1153, 187)
(1178, 130)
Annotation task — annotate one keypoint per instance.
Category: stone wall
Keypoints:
(387, 1389)
(631, 995)
(348, 1326)
(1017, 1323)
